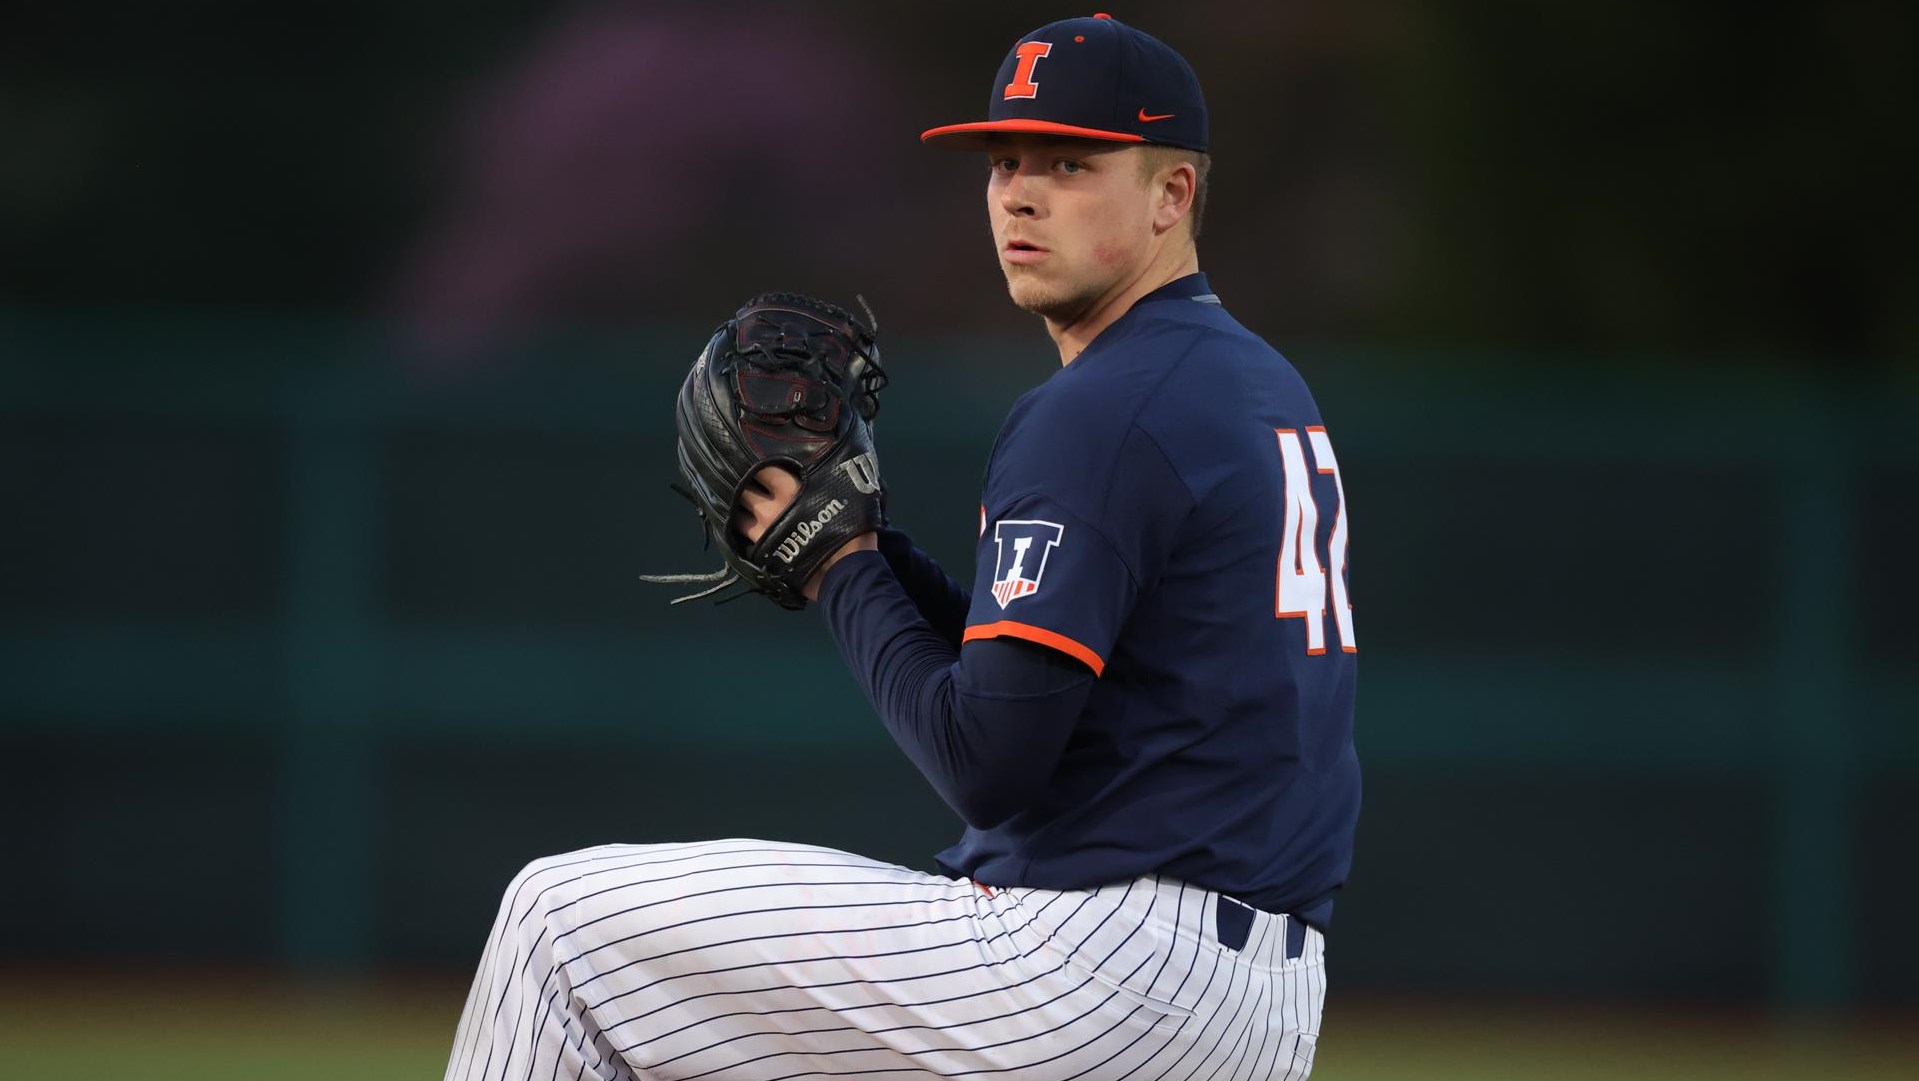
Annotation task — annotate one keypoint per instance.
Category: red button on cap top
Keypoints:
(1101, 15)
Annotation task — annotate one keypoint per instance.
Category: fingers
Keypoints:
(763, 498)
(780, 481)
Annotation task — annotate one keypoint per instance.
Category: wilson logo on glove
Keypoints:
(864, 472)
(804, 532)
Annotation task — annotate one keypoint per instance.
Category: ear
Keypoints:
(1173, 195)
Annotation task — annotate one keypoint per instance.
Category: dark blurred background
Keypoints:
(336, 348)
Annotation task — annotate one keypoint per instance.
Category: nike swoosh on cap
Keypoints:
(1150, 119)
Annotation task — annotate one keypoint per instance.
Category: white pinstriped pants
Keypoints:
(744, 960)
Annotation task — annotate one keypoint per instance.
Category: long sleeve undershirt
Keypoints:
(941, 600)
(985, 723)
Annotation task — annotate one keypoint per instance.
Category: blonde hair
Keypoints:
(1155, 158)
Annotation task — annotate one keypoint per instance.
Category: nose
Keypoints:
(1015, 196)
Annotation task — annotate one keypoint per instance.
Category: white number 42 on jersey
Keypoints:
(1301, 589)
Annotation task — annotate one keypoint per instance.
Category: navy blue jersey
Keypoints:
(1167, 509)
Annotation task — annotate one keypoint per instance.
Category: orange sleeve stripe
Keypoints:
(1009, 629)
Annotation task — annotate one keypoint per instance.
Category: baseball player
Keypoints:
(1142, 708)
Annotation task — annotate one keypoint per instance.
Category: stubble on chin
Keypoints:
(1042, 298)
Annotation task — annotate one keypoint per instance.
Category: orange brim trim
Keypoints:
(979, 130)
(1007, 628)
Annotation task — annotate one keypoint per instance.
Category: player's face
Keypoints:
(1072, 220)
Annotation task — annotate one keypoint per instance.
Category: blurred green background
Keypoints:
(335, 362)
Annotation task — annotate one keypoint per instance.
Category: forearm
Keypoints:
(941, 600)
(985, 726)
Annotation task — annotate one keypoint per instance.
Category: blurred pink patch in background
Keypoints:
(595, 181)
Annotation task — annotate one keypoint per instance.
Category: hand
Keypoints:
(766, 496)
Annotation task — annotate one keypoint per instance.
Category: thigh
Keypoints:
(754, 960)
(1242, 1012)
(757, 961)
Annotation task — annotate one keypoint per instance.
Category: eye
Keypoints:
(1069, 166)
(1003, 165)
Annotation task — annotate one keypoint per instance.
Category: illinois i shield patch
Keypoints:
(1022, 550)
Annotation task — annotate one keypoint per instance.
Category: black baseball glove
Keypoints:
(788, 381)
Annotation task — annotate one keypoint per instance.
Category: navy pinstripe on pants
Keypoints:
(745, 960)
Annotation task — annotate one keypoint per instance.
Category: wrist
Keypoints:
(865, 542)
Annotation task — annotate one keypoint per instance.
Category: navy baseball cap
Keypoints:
(1094, 78)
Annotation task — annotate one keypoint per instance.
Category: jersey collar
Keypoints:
(1193, 286)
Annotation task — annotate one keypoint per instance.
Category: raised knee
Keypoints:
(544, 882)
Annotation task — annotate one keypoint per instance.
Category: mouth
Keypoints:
(1022, 252)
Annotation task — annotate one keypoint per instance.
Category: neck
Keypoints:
(1073, 335)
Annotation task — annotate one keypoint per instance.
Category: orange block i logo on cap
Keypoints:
(1030, 53)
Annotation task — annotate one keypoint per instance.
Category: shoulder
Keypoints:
(1071, 437)
(1215, 415)
(1219, 350)
(1095, 401)
(1220, 370)
(1182, 382)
